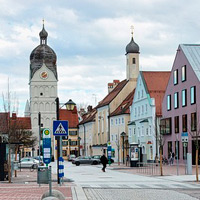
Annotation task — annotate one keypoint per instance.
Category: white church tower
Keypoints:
(132, 60)
(43, 86)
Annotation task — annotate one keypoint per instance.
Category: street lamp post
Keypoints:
(58, 140)
(123, 134)
(79, 139)
(69, 141)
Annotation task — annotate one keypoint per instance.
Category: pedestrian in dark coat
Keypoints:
(104, 162)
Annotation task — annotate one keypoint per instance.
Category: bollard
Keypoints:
(50, 183)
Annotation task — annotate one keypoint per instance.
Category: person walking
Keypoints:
(104, 162)
(127, 160)
(173, 155)
(170, 158)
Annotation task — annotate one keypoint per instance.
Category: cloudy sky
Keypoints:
(89, 38)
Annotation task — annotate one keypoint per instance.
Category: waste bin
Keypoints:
(42, 175)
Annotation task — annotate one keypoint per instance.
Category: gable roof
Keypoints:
(88, 117)
(112, 94)
(70, 115)
(124, 107)
(156, 84)
(192, 53)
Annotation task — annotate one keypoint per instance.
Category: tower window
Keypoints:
(41, 94)
(134, 61)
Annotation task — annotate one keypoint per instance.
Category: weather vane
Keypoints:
(132, 28)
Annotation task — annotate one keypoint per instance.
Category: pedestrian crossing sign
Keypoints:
(60, 128)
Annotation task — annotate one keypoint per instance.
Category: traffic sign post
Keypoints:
(46, 146)
(60, 128)
(184, 139)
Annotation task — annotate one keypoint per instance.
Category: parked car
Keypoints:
(71, 157)
(85, 160)
(28, 163)
(99, 156)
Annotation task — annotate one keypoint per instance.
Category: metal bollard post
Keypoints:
(50, 183)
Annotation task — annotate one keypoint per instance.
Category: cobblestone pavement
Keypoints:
(25, 187)
(136, 194)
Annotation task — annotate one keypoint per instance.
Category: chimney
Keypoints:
(14, 116)
(111, 86)
(89, 108)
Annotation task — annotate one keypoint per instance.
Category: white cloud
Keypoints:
(89, 38)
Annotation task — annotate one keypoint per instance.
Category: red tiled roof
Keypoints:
(88, 117)
(112, 94)
(15, 122)
(124, 107)
(23, 122)
(156, 83)
(70, 115)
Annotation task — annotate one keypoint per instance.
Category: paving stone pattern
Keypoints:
(136, 194)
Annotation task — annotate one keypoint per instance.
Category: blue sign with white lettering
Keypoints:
(47, 150)
(46, 146)
(60, 128)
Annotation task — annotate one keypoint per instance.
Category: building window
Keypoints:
(115, 137)
(133, 60)
(183, 73)
(142, 134)
(142, 110)
(142, 93)
(147, 131)
(134, 131)
(112, 137)
(112, 122)
(119, 121)
(122, 120)
(138, 111)
(146, 108)
(184, 97)
(138, 131)
(176, 124)
(176, 77)
(193, 121)
(73, 143)
(115, 121)
(138, 94)
(176, 100)
(135, 112)
(72, 132)
(193, 95)
(168, 102)
(165, 126)
(184, 123)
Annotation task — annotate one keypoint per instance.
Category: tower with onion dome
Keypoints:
(132, 59)
(43, 85)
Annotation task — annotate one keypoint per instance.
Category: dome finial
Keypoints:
(43, 35)
(132, 47)
(132, 28)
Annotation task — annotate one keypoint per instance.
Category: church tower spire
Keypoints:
(132, 58)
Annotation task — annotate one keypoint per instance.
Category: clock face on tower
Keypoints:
(43, 75)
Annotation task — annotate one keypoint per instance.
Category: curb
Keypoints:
(78, 193)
